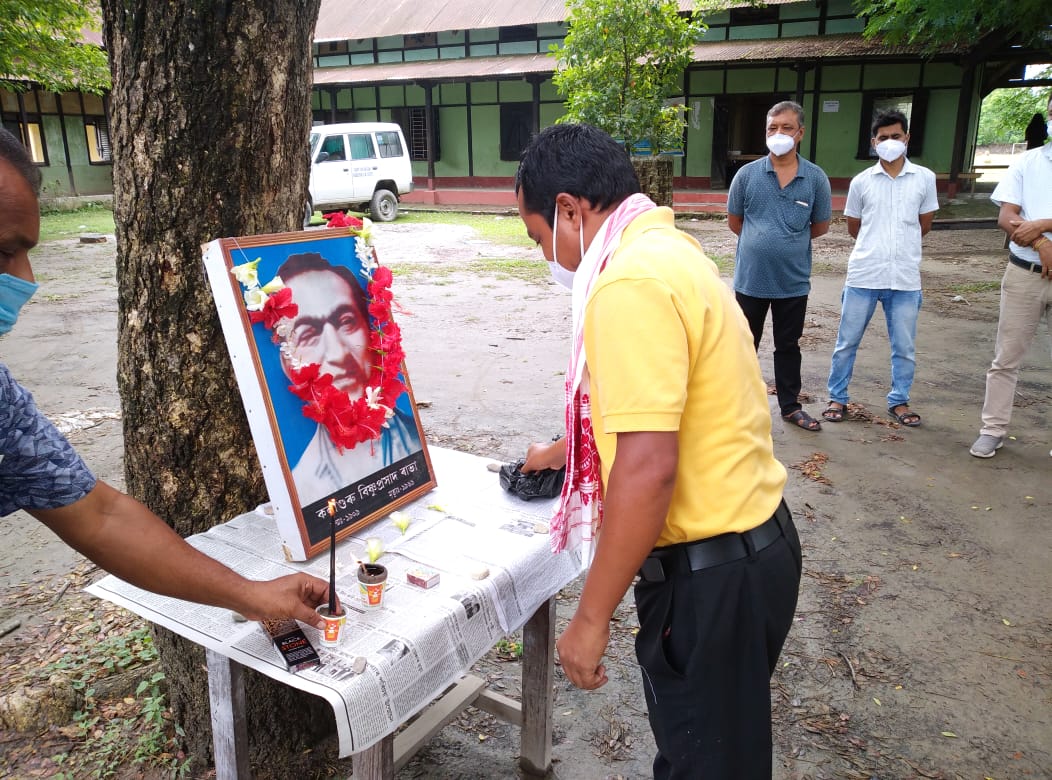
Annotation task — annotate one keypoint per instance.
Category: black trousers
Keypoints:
(708, 643)
(787, 322)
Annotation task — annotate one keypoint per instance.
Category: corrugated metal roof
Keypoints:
(437, 70)
(340, 20)
(805, 47)
(823, 47)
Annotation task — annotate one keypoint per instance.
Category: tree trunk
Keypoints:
(210, 114)
(655, 178)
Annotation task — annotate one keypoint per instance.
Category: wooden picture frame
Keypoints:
(306, 472)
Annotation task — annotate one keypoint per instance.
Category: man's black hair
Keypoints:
(295, 265)
(887, 119)
(578, 159)
(13, 151)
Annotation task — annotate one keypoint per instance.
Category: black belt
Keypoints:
(664, 562)
(1026, 265)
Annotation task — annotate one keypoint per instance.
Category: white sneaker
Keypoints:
(987, 445)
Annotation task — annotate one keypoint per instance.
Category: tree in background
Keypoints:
(619, 64)
(209, 118)
(41, 42)
(1006, 112)
(935, 23)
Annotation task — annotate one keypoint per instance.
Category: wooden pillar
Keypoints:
(429, 127)
(538, 676)
(226, 695)
(964, 108)
(375, 763)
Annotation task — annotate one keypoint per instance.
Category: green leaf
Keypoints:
(621, 61)
(41, 41)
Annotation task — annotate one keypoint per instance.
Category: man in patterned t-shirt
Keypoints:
(41, 473)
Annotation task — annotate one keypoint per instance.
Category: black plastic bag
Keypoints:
(547, 483)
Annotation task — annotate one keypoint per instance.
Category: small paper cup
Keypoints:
(334, 624)
(372, 577)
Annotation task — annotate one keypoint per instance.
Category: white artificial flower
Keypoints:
(283, 328)
(401, 520)
(366, 231)
(294, 363)
(255, 298)
(273, 285)
(372, 397)
(365, 255)
(247, 273)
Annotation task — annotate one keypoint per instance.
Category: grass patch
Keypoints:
(976, 287)
(416, 271)
(820, 268)
(138, 729)
(496, 228)
(535, 271)
(724, 262)
(66, 224)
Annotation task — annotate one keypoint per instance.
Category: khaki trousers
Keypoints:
(1025, 298)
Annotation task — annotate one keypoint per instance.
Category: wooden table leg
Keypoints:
(226, 694)
(538, 676)
(375, 763)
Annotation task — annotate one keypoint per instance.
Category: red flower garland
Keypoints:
(352, 422)
(277, 307)
(349, 422)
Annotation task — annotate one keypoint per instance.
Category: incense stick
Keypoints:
(332, 556)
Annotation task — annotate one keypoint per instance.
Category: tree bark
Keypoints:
(655, 178)
(210, 115)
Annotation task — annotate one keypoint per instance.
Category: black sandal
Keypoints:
(802, 419)
(907, 418)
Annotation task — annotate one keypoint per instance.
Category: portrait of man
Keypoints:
(331, 329)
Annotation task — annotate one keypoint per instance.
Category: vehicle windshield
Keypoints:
(314, 138)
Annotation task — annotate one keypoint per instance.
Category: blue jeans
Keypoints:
(900, 312)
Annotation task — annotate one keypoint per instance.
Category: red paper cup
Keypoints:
(372, 577)
(333, 633)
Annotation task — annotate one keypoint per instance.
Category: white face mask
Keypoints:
(890, 150)
(560, 274)
(780, 144)
(1048, 127)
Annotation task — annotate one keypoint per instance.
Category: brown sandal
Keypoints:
(834, 412)
(802, 419)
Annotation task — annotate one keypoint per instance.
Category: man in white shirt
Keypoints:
(890, 207)
(1025, 198)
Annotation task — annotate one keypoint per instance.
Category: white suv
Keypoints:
(359, 164)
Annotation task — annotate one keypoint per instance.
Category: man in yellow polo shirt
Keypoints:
(664, 391)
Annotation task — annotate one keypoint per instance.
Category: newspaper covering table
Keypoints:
(420, 641)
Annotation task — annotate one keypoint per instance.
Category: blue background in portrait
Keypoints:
(296, 430)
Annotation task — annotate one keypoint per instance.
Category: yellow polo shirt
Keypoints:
(668, 349)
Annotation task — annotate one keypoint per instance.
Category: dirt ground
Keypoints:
(923, 639)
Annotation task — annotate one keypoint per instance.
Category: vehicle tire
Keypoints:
(308, 214)
(384, 206)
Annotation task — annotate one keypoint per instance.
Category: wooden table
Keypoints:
(477, 522)
(226, 693)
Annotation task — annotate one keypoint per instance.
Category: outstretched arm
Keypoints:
(127, 539)
(545, 455)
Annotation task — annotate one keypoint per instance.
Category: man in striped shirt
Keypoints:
(890, 207)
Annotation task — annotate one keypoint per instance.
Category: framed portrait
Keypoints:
(317, 354)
